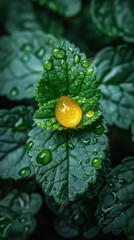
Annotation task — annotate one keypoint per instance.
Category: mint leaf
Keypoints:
(66, 72)
(116, 208)
(14, 127)
(21, 62)
(66, 162)
(65, 8)
(17, 214)
(113, 68)
(21, 16)
(114, 18)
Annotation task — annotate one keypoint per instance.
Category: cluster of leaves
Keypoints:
(72, 166)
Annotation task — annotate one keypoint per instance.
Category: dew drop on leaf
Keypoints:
(81, 75)
(110, 185)
(76, 83)
(85, 63)
(58, 53)
(99, 129)
(48, 65)
(95, 152)
(86, 141)
(20, 125)
(90, 114)
(71, 146)
(39, 124)
(14, 92)
(27, 47)
(40, 52)
(29, 145)
(64, 145)
(96, 162)
(25, 58)
(44, 157)
(90, 71)
(48, 123)
(76, 58)
(27, 228)
(68, 112)
(86, 176)
(25, 172)
(95, 140)
(63, 64)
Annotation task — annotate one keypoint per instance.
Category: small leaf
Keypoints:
(14, 126)
(113, 68)
(17, 215)
(114, 18)
(116, 208)
(65, 8)
(67, 73)
(21, 62)
(69, 171)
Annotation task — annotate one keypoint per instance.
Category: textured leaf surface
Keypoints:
(14, 126)
(17, 214)
(116, 207)
(70, 167)
(67, 8)
(21, 62)
(114, 18)
(67, 72)
(114, 72)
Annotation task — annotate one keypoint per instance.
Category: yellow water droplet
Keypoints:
(90, 114)
(68, 112)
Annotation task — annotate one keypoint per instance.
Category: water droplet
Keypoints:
(95, 140)
(59, 162)
(25, 58)
(99, 129)
(48, 65)
(58, 53)
(44, 157)
(95, 152)
(29, 145)
(25, 172)
(90, 71)
(80, 162)
(86, 176)
(55, 126)
(27, 47)
(86, 141)
(110, 185)
(20, 125)
(76, 83)
(22, 219)
(85, 63)
(68, 112)
(39, 124)
(96, 162)
(64, 145)
(87, 161)
(5, 222)
(72, 76)
(81, 75)
(48, 123)
(14, 92)
(71, 146)
(63, 64)
(40, 52)
(90, 114)
(27, 228)
(76, 58)
(79, 219)
(115, 176)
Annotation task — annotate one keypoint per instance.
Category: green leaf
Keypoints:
(21, 60)
(114, 71)
(66, 72)
(114, 18)
(21, 16)
(66, 162)
(116, 208)
(17, 214)
(73, 219)
(66, 8)
(14, 127)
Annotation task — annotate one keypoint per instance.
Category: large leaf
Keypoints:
(116, 207)
(17, 212)
(21, 62)
(68, 8)
(114, 72)
(14, 127)
(114, 18)
(66, 162)
(67, 72)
